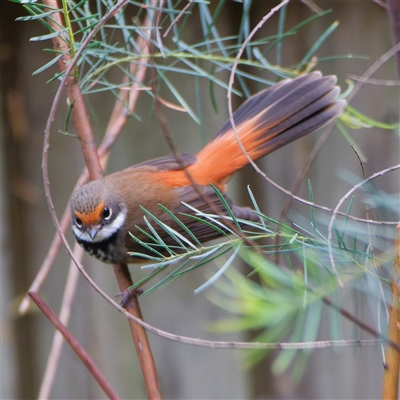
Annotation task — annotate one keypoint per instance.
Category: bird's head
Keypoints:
(97, 213)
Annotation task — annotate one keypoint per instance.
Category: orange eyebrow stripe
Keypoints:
(92, 218)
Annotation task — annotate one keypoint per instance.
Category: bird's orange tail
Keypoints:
(265, 122)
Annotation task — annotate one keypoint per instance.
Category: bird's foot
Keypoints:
(127, 296)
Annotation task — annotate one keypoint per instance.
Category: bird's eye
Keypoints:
(78, 222)
(106, 213)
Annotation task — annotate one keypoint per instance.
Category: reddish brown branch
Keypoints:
(84, 129)
(75, 98)
(141, 341)
(391, 371)
(95, 172)
(76, 347)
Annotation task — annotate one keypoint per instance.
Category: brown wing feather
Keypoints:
(168, 163)
(208, 202)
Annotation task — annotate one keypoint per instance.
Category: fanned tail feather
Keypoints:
(265, 122)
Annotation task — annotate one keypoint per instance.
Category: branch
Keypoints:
(95, 172)
(50, 371)
(76, 347)
(391, 372)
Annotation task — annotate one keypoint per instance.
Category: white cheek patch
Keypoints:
(79, 234)
(108, 230)
(105, 232)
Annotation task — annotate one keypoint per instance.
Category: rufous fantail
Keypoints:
(105, 211)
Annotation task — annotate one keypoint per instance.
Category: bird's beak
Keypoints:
(92, 231)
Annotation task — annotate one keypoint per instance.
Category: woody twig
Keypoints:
(391, 368)
(89, 150)
(78, 349)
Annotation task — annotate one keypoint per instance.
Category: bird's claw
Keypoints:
(127, 295)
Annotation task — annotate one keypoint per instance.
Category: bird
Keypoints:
(105, 212)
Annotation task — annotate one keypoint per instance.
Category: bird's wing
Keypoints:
(168, 163)
(205, 200)
(202, 198)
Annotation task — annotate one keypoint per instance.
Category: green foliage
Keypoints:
(112, 52)
(280, 301)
